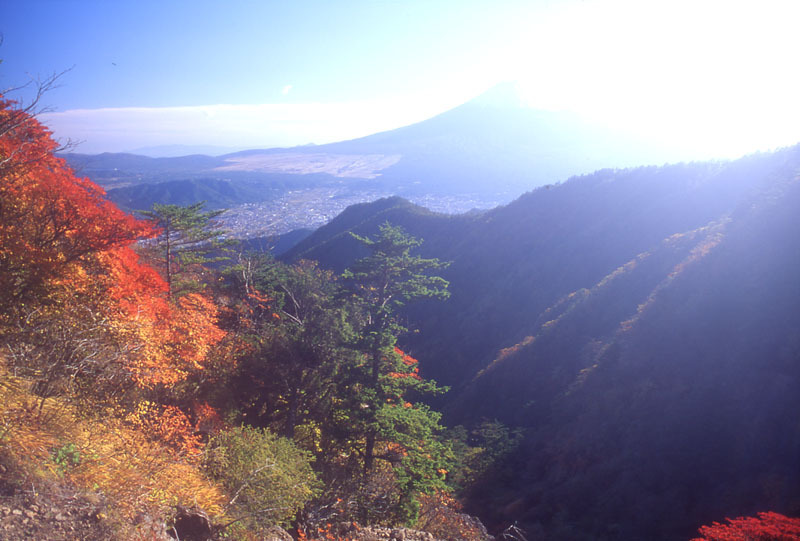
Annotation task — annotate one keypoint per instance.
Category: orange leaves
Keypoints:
(396, 449)
(409, 361)
(172, 426)
(138, 288)
(258, 299)
(165, 340)
(207, 419)
(169, 424)
(194, 328)
(173, 345)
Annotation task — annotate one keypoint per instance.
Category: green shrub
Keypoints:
(268, 477)
(66, 456)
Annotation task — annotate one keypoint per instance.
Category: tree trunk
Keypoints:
(369, 452)
(169, 262)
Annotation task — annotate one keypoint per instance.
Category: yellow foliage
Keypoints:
(115, 459)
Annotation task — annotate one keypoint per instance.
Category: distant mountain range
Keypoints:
(492, 146)
(641, 326)
(172, 151)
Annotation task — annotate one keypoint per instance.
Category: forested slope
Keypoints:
(146, 370)
(512, 263)
(667, 390)
(641, 326)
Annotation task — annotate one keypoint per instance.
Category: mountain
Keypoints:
(117, 170)
(487, 150)
(186, 192)
(512, 263)
(640, 326)
(492, 144)
(668, 389)
(335, 246)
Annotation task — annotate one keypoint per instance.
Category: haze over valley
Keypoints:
(481, 154)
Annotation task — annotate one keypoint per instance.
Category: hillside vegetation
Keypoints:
(156, 383)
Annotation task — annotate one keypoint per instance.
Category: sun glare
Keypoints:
(717, 77)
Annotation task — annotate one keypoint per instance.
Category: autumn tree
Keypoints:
(80, 310)
(49, 218)
(54, 228)
(189, 238)
(83, 317)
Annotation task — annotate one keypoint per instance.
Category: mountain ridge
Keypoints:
(609, 218)
(488, 145)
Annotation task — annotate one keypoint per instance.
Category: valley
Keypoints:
(314, 207)
(607, 333)
(639, 324)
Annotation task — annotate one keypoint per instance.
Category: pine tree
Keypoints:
(392, 429)
(190, 238)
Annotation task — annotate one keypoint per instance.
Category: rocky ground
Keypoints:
(48, 512)
(354, 532)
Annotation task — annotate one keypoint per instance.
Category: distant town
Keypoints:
(311, 208)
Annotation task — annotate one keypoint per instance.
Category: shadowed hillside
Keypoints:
(641, 325)
(512, 263)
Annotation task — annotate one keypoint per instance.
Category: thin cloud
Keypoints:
(254, 125)
(286, 90)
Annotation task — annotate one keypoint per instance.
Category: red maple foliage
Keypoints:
(58, 232)
(49, 217)
(67, 261)
(767, 526)
(171, 339)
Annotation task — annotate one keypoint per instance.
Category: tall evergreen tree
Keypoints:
(190, 238)
(392, 428)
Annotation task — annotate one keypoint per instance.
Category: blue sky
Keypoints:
(260, 74)
(129, 54)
